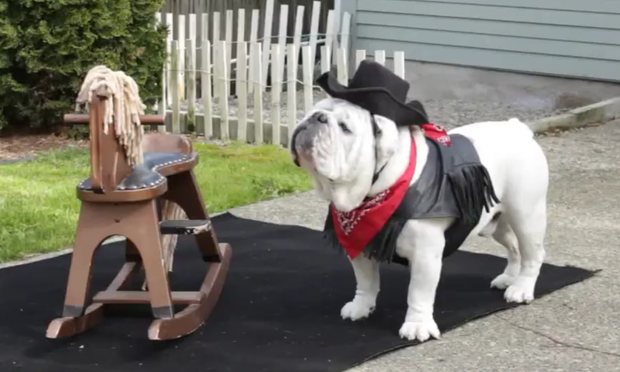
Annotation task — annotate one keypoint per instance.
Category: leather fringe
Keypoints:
(332, 241)
(383, 246)
(473, 190)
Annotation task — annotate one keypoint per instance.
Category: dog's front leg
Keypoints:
(422, 243)
(367, 288)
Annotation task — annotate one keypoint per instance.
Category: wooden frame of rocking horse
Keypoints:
(109, 208)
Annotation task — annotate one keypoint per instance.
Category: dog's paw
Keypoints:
(421, 331)
(521, 291)
(357, 309)
(502, 281)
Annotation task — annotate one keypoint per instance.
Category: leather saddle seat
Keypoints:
(149, 173)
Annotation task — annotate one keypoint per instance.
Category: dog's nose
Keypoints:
(295, 143)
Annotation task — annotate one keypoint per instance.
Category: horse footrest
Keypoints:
(184, 227)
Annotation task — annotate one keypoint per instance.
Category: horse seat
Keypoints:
(146, 175)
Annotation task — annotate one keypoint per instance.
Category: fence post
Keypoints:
(329, 38)
(399, 64)
(360, 55)
(205, 82)
(240, 33)
(253, 36)
(216, 27)
(204, 32)
(306, 55)
(325, 59)
(198, 7)
(336, 31)
(174, 86)
(242, 92)
(191, 22)
(162, 104)
(380, 56)
(216, 45)
(169, 68)
(240, 45)
(314, 28)
(181, 60)
(221, 76)
(342, 68)
(266, 43)
(256, 64)
(282, 34)
(350, 7)
(190, 53)
(291, 90)
(276, 90)
(345, 33)
(228, 38)
(175, 20)
(299, 24)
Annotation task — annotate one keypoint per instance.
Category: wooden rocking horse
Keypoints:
(123, 196)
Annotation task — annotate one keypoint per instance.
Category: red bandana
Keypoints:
(437, 133)
(356, 229)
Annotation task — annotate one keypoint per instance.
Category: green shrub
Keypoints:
(48, 46)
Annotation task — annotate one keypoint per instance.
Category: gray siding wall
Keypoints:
(572, 38)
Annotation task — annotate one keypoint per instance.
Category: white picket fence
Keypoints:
(225, 116)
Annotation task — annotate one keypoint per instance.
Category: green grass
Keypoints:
(39, 208)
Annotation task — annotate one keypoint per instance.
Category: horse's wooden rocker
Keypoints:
(132, 175)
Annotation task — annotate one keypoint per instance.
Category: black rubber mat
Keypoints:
(279, 310)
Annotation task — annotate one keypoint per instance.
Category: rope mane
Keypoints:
(122, 108)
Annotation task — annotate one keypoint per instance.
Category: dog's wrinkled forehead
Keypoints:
(344, 111)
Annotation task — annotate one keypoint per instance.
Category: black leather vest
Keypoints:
(453, 183)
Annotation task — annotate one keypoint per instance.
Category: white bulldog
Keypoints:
(336, 145)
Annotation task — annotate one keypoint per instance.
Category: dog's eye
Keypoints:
(344, 127)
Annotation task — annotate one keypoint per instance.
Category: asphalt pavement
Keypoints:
(575, 329)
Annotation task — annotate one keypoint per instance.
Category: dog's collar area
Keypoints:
(376, 131)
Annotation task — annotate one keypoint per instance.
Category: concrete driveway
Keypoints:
(576, 329)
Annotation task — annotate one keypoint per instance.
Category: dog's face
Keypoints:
(341, 145)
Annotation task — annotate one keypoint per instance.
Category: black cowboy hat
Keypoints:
(378, 90)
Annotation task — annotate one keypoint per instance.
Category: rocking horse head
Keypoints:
(113, 101)
(117, 139)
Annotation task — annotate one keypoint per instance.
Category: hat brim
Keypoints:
(377, 100)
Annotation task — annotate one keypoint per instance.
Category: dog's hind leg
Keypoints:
(368, 283)
(524, 200)
(530, 227)
(505, 236)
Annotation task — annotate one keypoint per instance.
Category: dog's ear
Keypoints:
(387, 139)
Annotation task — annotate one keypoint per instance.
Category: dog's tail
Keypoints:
(520, 128)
